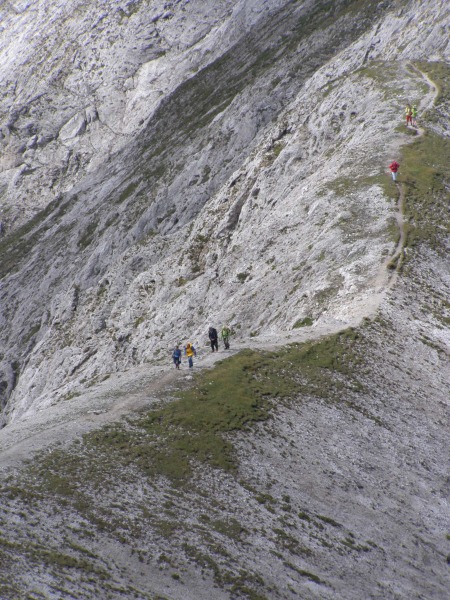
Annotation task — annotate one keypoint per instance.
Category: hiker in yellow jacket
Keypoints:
(226, 332)
(190, 352)
(408, 115)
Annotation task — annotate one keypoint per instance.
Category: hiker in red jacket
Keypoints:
(394, 167)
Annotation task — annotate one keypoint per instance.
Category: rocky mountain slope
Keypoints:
(272, 127)
(167, 165)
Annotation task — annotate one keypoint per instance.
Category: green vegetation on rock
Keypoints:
(195, 427)
(426, 174)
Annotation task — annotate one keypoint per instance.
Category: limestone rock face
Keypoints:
(167, 164)
(79, 80)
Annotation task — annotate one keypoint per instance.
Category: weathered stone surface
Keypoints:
(165, 165)
(74, 127)
(118, 215)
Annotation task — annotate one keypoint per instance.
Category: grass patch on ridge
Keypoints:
(237, 393)
(229, 398)
(439, 73)
(197, 426)
(195, 429)
(425, 173)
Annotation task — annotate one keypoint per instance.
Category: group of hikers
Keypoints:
(190, 351)
(411, 120)
(411, 115)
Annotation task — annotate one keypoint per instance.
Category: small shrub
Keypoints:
(242, 276)
(139, 320)
(277, 149)
(87, 237)
(305, 322)
(328, 520)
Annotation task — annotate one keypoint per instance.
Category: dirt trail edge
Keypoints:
(139, 388)
(395, 261)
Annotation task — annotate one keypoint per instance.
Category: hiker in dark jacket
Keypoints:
(212, 333)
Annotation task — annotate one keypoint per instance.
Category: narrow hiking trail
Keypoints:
(394, 261)
(142, 387)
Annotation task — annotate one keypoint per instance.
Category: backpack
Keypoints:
(212, 333)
